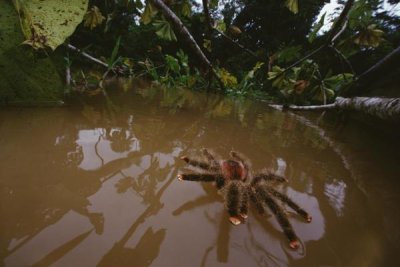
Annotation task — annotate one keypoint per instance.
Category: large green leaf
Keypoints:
(148, 13)
(164, 30)
(9, 27)
(47, 23)
(23, 76)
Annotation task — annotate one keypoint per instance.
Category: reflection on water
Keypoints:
(96, 185)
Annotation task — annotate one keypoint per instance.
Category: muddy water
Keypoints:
(95, 184)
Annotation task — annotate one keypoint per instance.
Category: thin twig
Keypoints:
(86, 55)
(236, 43)
(337, 51)
(303, 59)
(68, 76)
(341, 31)
(334, 34)
(343, 17)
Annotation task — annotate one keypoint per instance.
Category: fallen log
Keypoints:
(383, 108)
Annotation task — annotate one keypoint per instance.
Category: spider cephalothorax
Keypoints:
(232, 179)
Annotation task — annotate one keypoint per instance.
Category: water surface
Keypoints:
(95, 184)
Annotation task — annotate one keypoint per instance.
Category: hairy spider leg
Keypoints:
(233, 201)
(198, 177)
(268, 177)
(196, 163)
(244, 202)
(239, 158)
(280, 215)
(256, 201)
(291, 204)
(213, 162)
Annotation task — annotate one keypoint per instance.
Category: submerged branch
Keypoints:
(384, 108)
(304, 108)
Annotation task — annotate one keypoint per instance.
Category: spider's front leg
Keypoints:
(284, 198)
(199, 164)
(280, 215)
(236, 201)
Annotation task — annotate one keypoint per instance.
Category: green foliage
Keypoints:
(207, 44)
(114, 59)
(288, 54)
(363, 23)
(220, 25)
(279, 78)
(47, 23)
(248, 82)
(360, 14)
(172, 64)
(213, 3)
(315, 29)
(305, 84)
(93, 18)
(369, 36)
(227, 78)
(164, 30)
(292, 5)
(149, 12)
(186, 9)
(175, 72)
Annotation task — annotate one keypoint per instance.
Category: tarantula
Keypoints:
(231, 177)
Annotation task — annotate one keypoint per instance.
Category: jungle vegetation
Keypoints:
(284, 51)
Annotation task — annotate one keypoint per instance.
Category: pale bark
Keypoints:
(86, 55)
(384, 108)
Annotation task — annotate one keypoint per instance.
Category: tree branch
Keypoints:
(334, 33)
(185, 34)
(86, 55)
(383, 108)
(206, 12)
(236, 43)
(390, 62)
